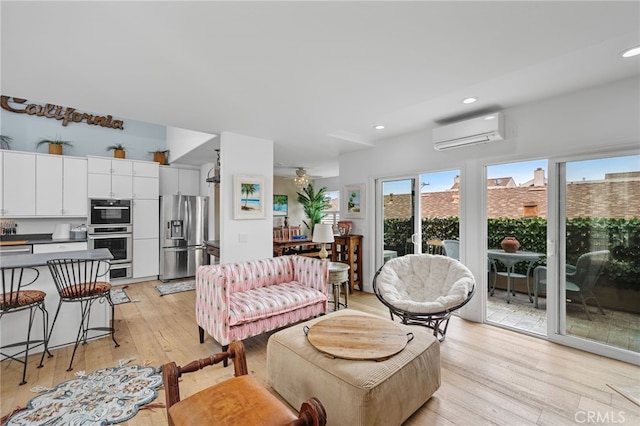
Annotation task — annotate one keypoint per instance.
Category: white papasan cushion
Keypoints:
(424, 283)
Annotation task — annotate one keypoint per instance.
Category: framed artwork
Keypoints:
(280, 205)
(248, 197)
(353, 201)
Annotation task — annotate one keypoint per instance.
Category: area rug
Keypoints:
(119, 296)
(104, 397)
(170, 288)
(631, 392)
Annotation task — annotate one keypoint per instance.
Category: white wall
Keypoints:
(603, 118)
(182, 141)
(245, 239)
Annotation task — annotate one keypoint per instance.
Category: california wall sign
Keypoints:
(66, 114)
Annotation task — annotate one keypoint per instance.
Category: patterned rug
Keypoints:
(104, 397)
(119, 296)
(170, 288)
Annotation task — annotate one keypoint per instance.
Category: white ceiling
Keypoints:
(315, 77)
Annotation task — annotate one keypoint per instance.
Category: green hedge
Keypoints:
(620, 236)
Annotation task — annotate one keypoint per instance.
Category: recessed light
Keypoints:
(634, 51)
(490, 117)
(469, 100)
(378, 127)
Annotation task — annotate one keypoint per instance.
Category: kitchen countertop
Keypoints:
(30, 260)
(24, 239)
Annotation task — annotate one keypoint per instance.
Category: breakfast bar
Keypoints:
(13, 328)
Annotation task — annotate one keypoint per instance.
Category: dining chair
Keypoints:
(580, 279)
(451, 248)
(240, 400)
(82, 281)
(16, 298)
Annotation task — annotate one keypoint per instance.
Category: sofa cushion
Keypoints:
(263, 302)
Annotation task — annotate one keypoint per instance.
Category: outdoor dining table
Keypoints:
(510, 260)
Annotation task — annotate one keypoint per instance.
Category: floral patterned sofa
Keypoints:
(239, 300)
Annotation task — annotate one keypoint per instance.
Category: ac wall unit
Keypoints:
(487, 128)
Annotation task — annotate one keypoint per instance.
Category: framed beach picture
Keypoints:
(280, 205)
(353, 201)
(248, 197)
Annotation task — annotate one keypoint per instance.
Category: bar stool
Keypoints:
(16, 299)
(80, 281)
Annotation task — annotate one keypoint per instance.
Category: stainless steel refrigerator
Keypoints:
(183, 230)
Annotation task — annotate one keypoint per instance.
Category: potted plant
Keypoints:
(5, 142)
(55, 145)
(160, 156)
(118, 150)
(313, 204)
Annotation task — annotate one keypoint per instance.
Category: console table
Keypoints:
(348, 249)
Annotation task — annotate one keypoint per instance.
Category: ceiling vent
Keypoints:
(483, 129)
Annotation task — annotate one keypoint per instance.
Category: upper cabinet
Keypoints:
(110, 178)
(146, 180)
(18, 184)
(61, 186)
(179, 181)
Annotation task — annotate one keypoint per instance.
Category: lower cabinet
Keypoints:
(146, 257)
(58, 247)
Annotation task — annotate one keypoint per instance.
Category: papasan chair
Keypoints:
(424, 289)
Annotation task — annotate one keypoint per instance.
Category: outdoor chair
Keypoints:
(16, 299)
(580, 279)
(451, 248)
(424, 289)
(241, 400)
(81, 281)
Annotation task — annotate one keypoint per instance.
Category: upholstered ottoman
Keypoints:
(361, 392)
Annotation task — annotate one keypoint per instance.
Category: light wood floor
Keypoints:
(489, 375)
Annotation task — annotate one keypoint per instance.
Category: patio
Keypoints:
(615, 328)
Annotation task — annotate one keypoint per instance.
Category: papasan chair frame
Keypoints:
(438, 321)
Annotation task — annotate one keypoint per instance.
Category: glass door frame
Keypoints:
(379, 222)
(556, 259)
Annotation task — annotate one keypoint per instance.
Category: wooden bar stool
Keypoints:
(16, 299)
(240, 400)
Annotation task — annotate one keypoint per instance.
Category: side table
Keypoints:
(339, 276)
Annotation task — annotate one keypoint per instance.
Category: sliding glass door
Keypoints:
(418, 213)
(599, 253)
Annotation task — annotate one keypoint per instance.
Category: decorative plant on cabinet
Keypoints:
(55, 145)
(118, 150)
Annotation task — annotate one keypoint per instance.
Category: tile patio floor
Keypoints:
(618, 329)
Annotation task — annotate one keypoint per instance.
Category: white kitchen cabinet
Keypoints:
(110, 166)
(146, 219)
(145, 188)
(146, 257)
(19, 184)
(59, 247)
(49, 185)
(179, 181)
(61, 186)
(146, 242)
(146, 169)
(74, 187)
(110, 178)
(1, 184)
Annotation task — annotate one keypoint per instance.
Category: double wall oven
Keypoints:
(110, 227)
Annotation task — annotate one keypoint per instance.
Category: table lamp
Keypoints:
(323, 233)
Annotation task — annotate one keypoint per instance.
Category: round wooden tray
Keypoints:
(358, 337)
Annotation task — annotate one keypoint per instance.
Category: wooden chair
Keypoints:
(240, 400)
